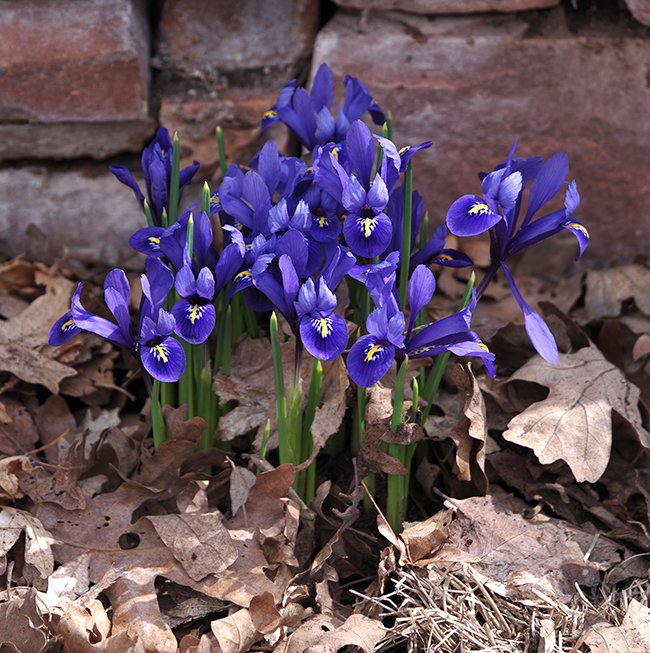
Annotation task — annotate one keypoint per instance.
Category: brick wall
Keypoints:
(84, 83)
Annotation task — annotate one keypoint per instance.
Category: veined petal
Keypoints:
(547, 183)
(124, 176)
(378, 195)
(164, 361)
(581, 233)
(470, 215)
(452, 258)
(322, 88)
(367, 236)
(98, 325)
(368, 360)
(538, 332)
(475, 348)
(147, 240)
(441, 331)
(324, 337)
(185, 282)
(421, 287)
(117, 293)
(353, 197)
(62, 330)
(572, 198)
(194, 321)
(360, 148)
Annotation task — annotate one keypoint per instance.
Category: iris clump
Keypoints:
(292, 236)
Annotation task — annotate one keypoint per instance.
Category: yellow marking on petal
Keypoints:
(478, 208)
(404, 149)
(420, 350)
(480, 344)
(324, 327)
(444, 257)
(322, 221)
(243, 275)
(367, 227)
(161, 353)
(154, 240)
(194, 313)
(271, 113)
(335, 153)
(372, 352)
(579, 227)
(309, 170)
(67, 325)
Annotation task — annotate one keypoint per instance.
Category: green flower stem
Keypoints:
(250, 321)
(313, 401)
(174, 192)
(294, 430)
(405, 254)
(237, 326)
(397, 486)
(204, 404)
(221, 147)
(286, 455)
(436, 373)
(147, 213)
(157, 421)
(266, 435)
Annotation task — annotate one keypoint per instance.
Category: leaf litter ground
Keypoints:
(529, 524)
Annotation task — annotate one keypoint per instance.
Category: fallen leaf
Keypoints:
(241, 482)
(18, 435)
(21, 626)
(574, 423)
(323, 634)
(514, 556)
(632, 636)
(607, 289)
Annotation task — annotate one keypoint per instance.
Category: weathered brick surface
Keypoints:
(74, 61)
(447, 6)
(474, 85)
(82, 210)
(224, 63)
(640, 9)
(213, 38)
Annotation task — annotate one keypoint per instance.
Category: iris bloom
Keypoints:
(157, 170)
(152, 343)
(390, 337)
(323, 332)
(498, 211)
(309, 114)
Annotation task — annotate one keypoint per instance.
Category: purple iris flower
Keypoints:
(194, 313)
(390, 337)
(157, 170)
(498, 212)
(152, 343)
(323, 332)
(309, 114)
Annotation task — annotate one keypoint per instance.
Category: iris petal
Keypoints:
(324, 337)
(62, 330)
(469, 215)
(194, 321)
(367, 236)
(369, 360)
(165, 361)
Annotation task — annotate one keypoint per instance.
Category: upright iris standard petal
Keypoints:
(547, 183)
(165, 360)
(421, 287)
(324, 337)
(367, 235)
(194, 320)
(369, 360)
(538, 332)
(62, 330)
(470, 215)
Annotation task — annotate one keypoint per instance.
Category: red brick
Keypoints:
(447, 6)
(474, 85)
(211, 38)
(73, 61)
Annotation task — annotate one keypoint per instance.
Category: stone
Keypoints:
(85, 211)
(244, 43)
(640, 9)
(474, 85)
(74, 62)
(433, 7)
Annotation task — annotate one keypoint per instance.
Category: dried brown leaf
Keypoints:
(632, 636)
(607, 289)
(515, 556)
(21, 625)
(425, 537)
(574, 423)
(241, 482)
(19, 434)
(324, 634)
(235, 633)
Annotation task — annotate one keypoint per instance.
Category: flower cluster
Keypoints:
(290, 230)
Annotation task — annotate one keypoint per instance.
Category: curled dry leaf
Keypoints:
(608, 289)
(514, 556)
(574, 423)
(21, 625)
(632, 636)
(326, 634)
